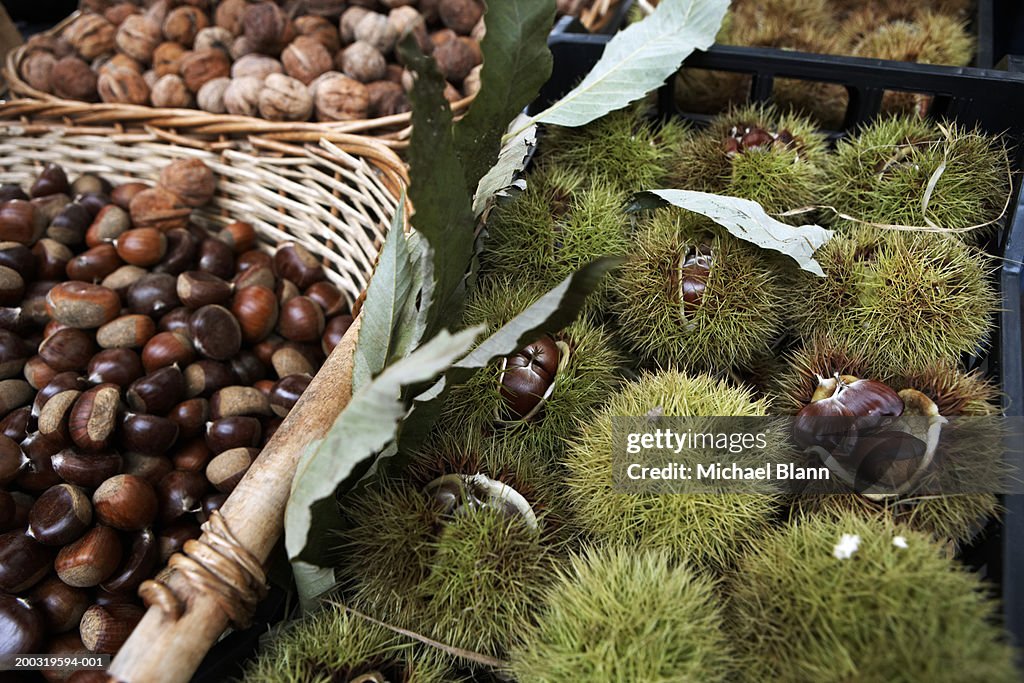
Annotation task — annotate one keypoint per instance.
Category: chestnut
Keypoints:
(528, 376)
(138, 565)
(256, 310)
(93, 417)
(105, 628)
(265, 349)
(285, 292)
(60, 382)
(93, 203)
(23, 503)
(37, 373)
(51, 259)
(111, 222)
(8, 508)
(11, 459)
(197, 289)
(67, 349)
(38, 474)
(120, 366)
(152, 468)
(12, 286)
(20, 223)
(192, 456)
(127, 331)
(228, 468)
(301, 320)
(191, 416)
(86, 470)
(14, 427)
(24, 561)
(91, 559)
(157, 392)
(14, 352)
(168, 348)
(265, 386)
(182, 247)
(122, 195)
(294, 262)
(286, 392)
(149, 434)
(52, 327)
(247, 367)
(233, 432)
(95, 264)
(61, 605)
(215, 332)
(123, 278)
(9, 191)
(240, 236)
(69, 225)
(50, 206)
(329, 297)
(291, 360)
(174, 536)
(238, 400)
(89, 182)
(141, 246)
(204, 377)
(253, 259)
(125, 502)
(211, 503)
(66, 645)
(258, 276)
(153, 294)
(60, 515)
(22, 628)
(14, 393)
(82, 304)
(19, 320)
(334, 331)
(217, 258)
(19, 258)
(179, 493)
(51, 180)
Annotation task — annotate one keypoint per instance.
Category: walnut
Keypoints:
(73, 79)
(183, 23)
(138, 37)
(37, 68)
(266, 27)
(214, 38)
(348, 21)
(229, 15)
(116, 14)
(320, 29)
(241, 47)
(387, 98)
(41, 42)
(442, 36)
(158, 208)
(460, 15)
(158, 10)
(211, 96)
(116, 62)
(456, 58)
(479, 31)
(190, 179)
(171, 91)
(305, 59)
(242, 96)
(406, 19)
(363, 62)
(284, 98)
(256, 66)
(91, 35)
(151, 77)
(394, 73)
(123, 86)
(167, 58)
(202, 66)
(374, 29)
(471, 83)
(340, 98)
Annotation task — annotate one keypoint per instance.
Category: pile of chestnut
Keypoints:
(144, 361)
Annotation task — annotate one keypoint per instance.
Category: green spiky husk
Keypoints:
(903, 301)
(739, 317)
(929, 38)
(588, 376)
(778, 178)
(886, 614)
(621, 615)
(709, 530)
(882, 176)
(334, 645)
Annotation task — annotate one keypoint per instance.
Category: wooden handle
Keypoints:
(164, 650)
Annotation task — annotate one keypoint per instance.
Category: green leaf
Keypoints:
(549, 314)
(363, 429)
(516, 63)
(387, 297)
(444, 215)
(311, 582)
(512, 159)
(639, 59)
(748, 221)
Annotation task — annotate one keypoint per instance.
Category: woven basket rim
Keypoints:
(32, 102)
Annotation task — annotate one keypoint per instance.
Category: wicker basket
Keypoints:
(338, 200)
(391, 130)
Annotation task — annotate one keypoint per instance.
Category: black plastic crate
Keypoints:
(993, 100)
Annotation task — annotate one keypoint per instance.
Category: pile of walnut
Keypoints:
(143, 364)
(256, 58)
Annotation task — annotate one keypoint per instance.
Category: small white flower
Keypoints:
(899, 542)
(846, 547)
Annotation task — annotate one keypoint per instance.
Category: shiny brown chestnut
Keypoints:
(19, 258)
(61, 605)
(37, 475)
(192, 456)
(8, 509)
(60, 515)
(128, 331)
(19, 223)
(240, 236)
(60, 382)
(157, 392)
(95, 264)
(253, 259)
(153, 294)
(301, 320)
(175, 320)
(215, 332)
(11, 460)
(125, 502)
(91, 559)
(12, 287)
(66, 646)
(329, 297)
(286, 393)
(89, 182)
(233, 432)
(138, 564)
(191, 416)
(256, 310)
(51, 180)
(257, 276)
(212, 503)
(110, 223)
(175, 535)
(286, 291)
(37, 373)
(9, 191)
(123, 194)
(68, 349)
(52, 259)
(22, 629)
(24, 561)
(265, 349)
(182, 247)
(149, 434)
(69, 225)
(122, 279)
(528, 375)
(238, 400)
(291, 360)
(294, 262)
(82, 304)
(142, 247)
(228, 468)
(14, 393)
(88, 470)
(93, 203)
(217, 258)
(93, 418)
(247, 367)
(23, 503)
(105, 628)
(334, 331)
(694, 273)
(119, 366)
(179, 493)
(197, 289)
(152, 468)
(14, 353)
(204, 377)
(168, 348)
(13, 426)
